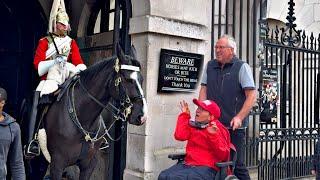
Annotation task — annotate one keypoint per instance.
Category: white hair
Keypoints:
(231, 42)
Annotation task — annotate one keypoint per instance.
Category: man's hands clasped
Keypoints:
(60, 59)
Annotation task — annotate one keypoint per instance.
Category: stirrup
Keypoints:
(28, 152)
(104, 145)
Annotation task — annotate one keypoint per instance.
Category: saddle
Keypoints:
(65, 86)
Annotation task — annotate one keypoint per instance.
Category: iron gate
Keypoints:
(291, 67)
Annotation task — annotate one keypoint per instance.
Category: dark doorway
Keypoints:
(22, 26)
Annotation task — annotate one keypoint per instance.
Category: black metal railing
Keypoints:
(286, 146)
(293, 160)
(283, 147)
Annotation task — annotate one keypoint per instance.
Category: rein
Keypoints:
(107, 107)
(116, 112)
(74, 118)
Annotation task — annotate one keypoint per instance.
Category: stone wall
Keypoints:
(306, 13)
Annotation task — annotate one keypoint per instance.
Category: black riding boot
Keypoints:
(33, 148)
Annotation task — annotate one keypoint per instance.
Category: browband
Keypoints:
(129, 67)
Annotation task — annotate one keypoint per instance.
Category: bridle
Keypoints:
(119, 113)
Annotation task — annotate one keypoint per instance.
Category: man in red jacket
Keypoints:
(208, 142)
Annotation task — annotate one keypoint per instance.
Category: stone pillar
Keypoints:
(171, 24)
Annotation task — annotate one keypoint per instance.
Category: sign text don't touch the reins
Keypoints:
(178, 71)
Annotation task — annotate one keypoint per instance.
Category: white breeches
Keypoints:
(56, 76)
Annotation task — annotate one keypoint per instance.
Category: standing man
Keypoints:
(10, 143)
(56, 59)
(228, 81)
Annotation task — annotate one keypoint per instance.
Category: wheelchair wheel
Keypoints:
(231, 177)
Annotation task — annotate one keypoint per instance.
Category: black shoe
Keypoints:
(32, 150)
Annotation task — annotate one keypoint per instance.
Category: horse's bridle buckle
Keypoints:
(117, 81)
(127, 112)
(117, 66)
(87, 137)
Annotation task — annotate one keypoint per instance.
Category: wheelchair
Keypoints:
(223, 173)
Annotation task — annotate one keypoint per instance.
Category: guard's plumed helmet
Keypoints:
(58, 14)
(62, 17)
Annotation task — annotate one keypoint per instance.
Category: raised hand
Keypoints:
(184, 107)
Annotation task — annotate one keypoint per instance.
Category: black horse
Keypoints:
(74, 132)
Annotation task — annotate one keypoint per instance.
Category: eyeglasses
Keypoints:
(222, 47)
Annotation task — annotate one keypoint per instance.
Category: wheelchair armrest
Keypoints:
(180, 157)
(224, 164)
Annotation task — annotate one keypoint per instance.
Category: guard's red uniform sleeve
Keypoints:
(40, 54)
(220, 142)
(183, 128)
(74, 55)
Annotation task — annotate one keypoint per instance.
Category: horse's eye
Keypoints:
(140, 78)
(131, 80)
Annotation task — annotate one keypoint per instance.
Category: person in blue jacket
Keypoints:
(10, 144)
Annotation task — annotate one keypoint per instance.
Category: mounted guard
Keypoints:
(56, 59)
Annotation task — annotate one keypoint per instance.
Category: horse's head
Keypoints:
(131, 95)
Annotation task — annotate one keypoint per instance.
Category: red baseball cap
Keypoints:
(209, 106)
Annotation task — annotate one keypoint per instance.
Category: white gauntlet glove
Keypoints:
(60, 59)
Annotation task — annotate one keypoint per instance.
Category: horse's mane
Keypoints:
(91, 72)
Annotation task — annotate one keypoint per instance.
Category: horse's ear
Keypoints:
(120, 52)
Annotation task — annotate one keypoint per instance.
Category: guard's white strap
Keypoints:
(61, 43)
(129, 67)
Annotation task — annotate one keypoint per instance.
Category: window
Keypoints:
(102, 17)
